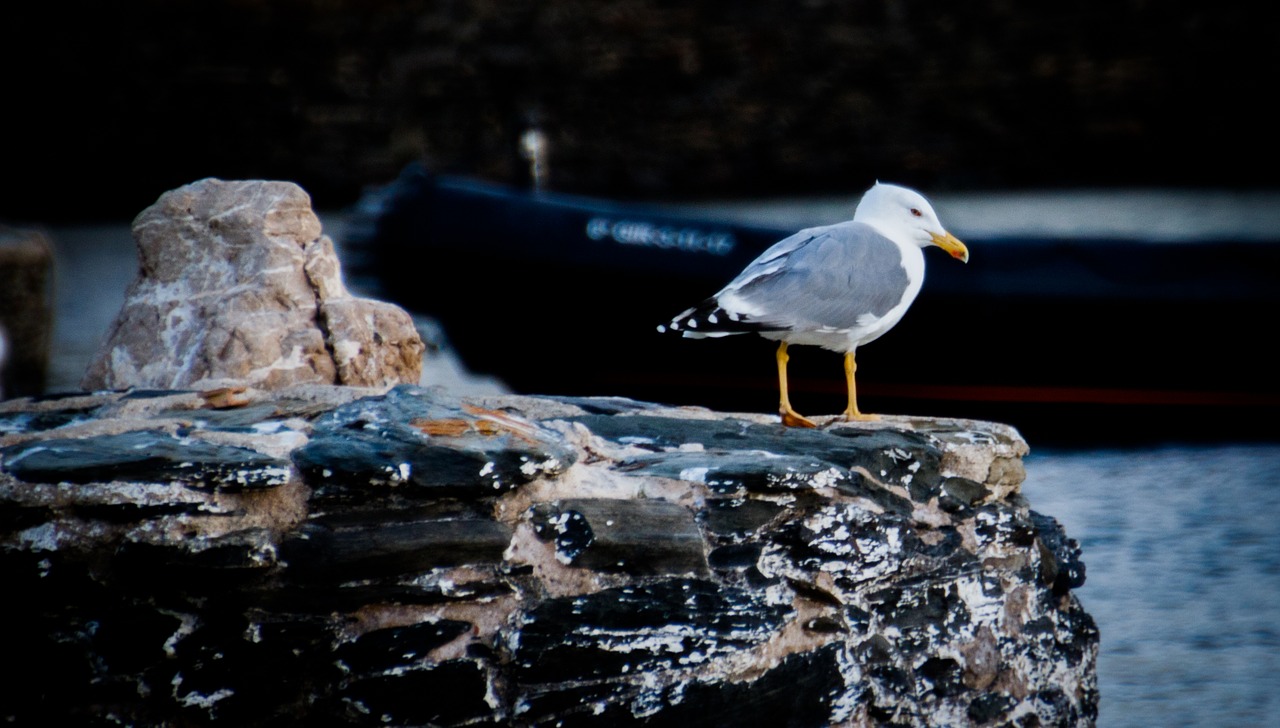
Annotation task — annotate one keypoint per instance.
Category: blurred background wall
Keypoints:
(108, 104)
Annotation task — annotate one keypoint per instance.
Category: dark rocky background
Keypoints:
(109, 104)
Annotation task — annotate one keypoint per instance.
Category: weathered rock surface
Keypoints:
(336, 556)
(237, 284)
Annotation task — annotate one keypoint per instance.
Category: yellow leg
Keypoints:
(790, 417)
(851, 412)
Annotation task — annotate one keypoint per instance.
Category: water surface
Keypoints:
(1182, 553)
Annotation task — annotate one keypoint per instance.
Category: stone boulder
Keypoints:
(237, 285)
(336, 556)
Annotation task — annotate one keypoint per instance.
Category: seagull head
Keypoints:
(905, 215)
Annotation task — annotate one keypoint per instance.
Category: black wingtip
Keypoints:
(708, 318)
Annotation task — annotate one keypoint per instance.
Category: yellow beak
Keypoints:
(952, 245)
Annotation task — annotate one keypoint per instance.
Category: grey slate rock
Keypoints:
(391, 545)
(854, 462)
(424, 560)
(18, 421)
(736, 518)
(396, 648)
(637, 537)
(453, 692)
(240, 555)
(662, 625)
(143, 456)
(425, 445)
(1064, 569)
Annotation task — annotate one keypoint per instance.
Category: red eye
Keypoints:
(916, 212)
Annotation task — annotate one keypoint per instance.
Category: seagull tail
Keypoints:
(707, 319)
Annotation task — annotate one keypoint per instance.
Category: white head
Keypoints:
(904, 214)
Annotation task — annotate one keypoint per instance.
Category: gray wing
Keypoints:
(823, 277)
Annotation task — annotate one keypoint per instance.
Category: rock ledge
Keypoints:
(334, 555)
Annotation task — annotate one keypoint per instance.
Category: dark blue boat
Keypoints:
(562, 294)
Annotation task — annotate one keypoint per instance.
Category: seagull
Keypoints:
(835, 286)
